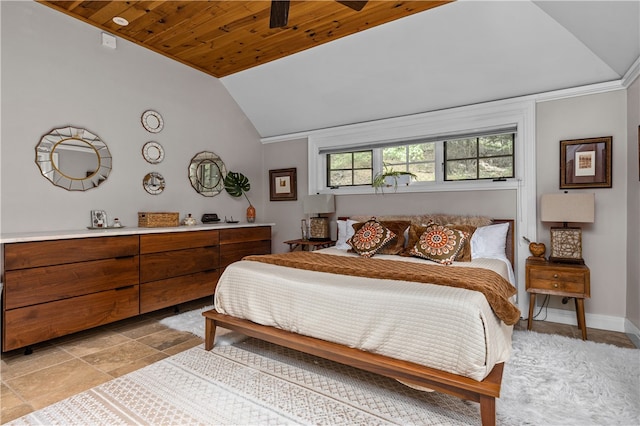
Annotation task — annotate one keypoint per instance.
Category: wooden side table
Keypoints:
(559, 279)
(308, 245)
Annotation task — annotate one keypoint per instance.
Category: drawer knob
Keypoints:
(555, 285)
(555, 275)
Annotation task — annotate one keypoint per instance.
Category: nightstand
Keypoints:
(558, 279)
(308, 245)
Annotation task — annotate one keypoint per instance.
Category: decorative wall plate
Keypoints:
(153, 152)
(152, 121)
(153, 183)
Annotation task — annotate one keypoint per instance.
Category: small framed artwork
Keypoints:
(585, 163)
(283, 185)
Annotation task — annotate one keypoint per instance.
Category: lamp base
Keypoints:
(566, 245)
(566, 260)
(319, 229)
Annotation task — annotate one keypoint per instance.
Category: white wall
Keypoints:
(633, 205)
(604, 242)
(55, 72)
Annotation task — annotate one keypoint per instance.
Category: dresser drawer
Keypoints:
(25, 287)
(33, 324)
(58, 252)
(233, 252)
(169, 264)
(154, 243)
(260, 233)
(160, 294)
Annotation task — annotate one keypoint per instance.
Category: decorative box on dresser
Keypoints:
(61, 283)
(559, 279)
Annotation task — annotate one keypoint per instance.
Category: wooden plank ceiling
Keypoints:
(223, 37)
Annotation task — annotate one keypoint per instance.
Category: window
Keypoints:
(350, 168)
(419, 159)
(470, 157)
(485, 157)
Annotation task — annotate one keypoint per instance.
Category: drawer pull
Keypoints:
(555, 275)
(128, 256)
(555, 285)
(125, 287)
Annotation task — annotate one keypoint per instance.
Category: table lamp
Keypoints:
(566, 242)
(319, 204)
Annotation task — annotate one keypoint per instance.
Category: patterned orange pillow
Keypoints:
(438, 243)
(464, 255)
(397, 243)
(370, 238)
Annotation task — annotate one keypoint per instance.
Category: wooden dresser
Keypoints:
(54, 287)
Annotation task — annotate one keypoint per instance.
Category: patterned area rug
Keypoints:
(550, 380)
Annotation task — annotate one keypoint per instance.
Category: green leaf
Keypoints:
(236, 184)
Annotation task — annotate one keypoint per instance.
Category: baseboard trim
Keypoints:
(601, 322)
(633, 332)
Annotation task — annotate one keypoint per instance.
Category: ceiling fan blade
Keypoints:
(355, 5)
(279, 13)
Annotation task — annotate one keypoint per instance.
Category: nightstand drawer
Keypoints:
(555, 275)
(557, 284)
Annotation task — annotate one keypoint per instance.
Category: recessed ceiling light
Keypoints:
(120, 21)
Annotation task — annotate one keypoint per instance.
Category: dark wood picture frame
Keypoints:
(283, 185)
(585, 163)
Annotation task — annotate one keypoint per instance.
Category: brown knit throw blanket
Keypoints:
(496, 289)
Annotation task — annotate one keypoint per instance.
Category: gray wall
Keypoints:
(55, 72)
(288, 214)
(605, 240)
(633, 204)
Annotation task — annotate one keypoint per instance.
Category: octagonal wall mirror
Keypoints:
(206, 173)
(73, 158)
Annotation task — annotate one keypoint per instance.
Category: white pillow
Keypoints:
(490, 241)
(345, 231)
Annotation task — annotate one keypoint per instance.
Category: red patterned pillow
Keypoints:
(439, 243)
(370, 238)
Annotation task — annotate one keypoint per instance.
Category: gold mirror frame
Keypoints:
(73, 158)
(206, 174)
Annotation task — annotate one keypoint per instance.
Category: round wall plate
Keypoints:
(153, 183)
(153, 152)
(152, 121)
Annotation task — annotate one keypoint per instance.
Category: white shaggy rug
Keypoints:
(550, 380)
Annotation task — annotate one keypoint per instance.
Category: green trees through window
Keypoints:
(469, 158)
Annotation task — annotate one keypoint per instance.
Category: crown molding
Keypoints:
(631, 75)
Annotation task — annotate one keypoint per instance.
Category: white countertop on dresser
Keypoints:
(21, 237)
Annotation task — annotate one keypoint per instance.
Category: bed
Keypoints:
(394, 321)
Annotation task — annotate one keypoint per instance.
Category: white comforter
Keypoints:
(447, 328)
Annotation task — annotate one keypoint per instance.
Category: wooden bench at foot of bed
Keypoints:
(484, 392)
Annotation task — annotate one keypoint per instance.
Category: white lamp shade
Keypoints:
(319, 203)
(578, 207)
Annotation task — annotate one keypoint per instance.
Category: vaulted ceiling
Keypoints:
(224, 37)
(323, 70)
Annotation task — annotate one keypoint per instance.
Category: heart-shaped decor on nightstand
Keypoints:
(537, 249)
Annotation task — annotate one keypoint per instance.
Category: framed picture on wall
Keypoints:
(283, 185)
(585, 163)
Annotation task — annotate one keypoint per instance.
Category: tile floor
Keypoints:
(63, 367)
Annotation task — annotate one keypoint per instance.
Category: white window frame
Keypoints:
(472, 119)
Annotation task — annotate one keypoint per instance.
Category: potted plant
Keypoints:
(391, 178)
(236, 184)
